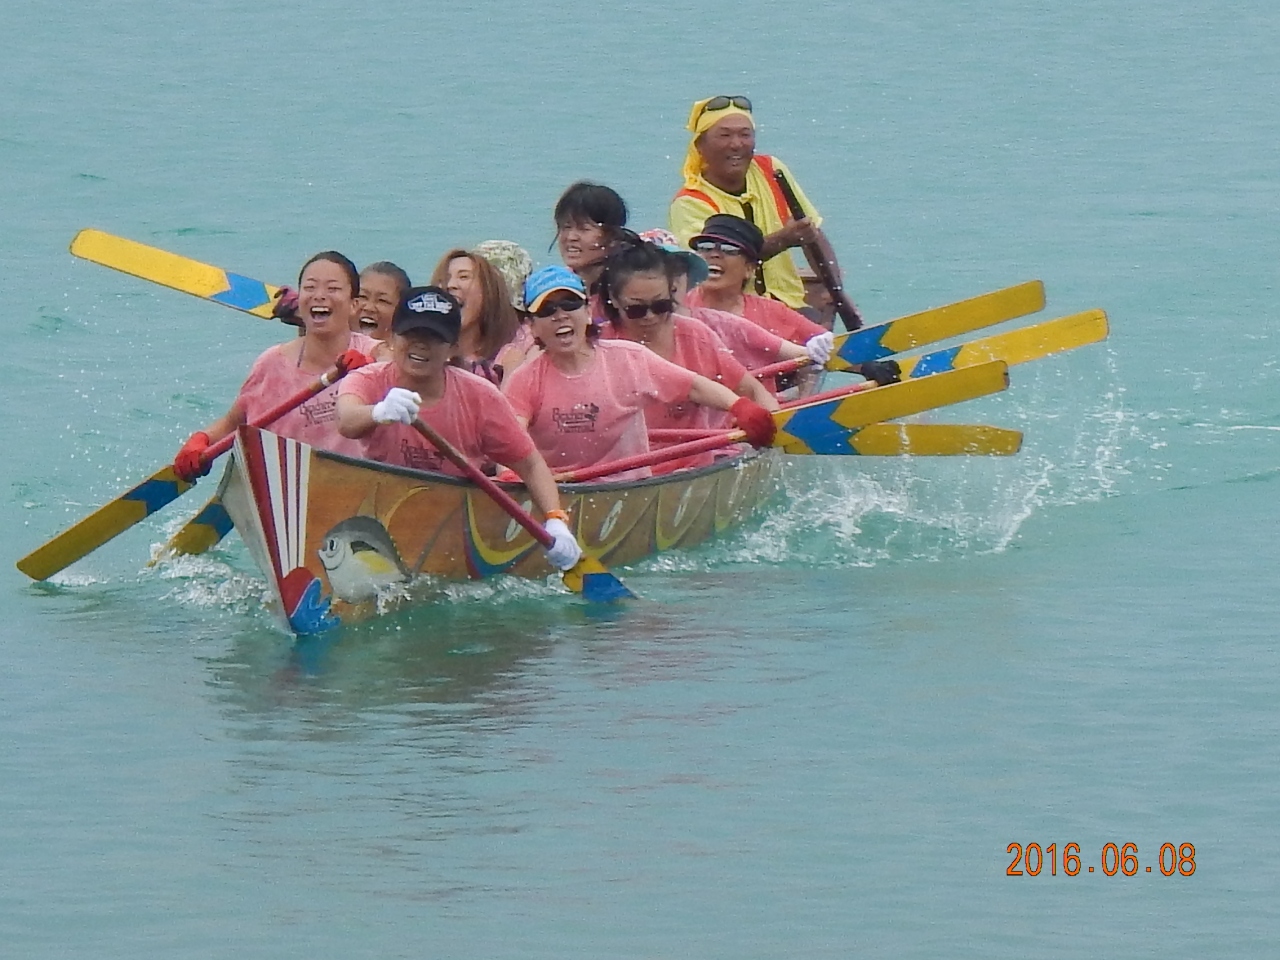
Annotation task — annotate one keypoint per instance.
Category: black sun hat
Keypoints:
(727, 228)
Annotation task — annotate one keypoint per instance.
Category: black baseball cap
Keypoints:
(743, 234)
(429, 309)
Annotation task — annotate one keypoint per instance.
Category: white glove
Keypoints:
(819, 347)
(398, 406)
(565, 552)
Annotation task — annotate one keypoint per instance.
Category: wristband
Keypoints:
(558, 515)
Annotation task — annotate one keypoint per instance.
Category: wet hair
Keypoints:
(386, 268)
(628, 259)
(592, 203)
(333, 256)
(498, 318)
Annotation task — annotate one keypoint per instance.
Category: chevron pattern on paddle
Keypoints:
(939, 323)
(176, 272)
(826, 426)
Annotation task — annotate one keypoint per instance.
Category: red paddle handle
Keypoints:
(495, 492)
(329, 378)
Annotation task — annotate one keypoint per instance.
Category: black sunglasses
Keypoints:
(719, 103)
(550, 308)
(724, 246)
(638, 311)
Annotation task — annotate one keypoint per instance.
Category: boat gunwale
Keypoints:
(722, 463)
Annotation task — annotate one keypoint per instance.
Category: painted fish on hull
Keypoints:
(360, 559)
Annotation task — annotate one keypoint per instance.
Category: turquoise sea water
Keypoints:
(815, 738)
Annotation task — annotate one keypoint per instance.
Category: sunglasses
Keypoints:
(720, 103)
(551, 307)
(723, 246)
(638, 311)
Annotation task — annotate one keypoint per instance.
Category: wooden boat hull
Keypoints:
(335, 535)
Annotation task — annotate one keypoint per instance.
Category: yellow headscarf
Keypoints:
(700, 121)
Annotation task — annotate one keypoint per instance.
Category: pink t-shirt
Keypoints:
(472, 415)
(751, 344)
(773, 315)
(597, 415)
(275, 376)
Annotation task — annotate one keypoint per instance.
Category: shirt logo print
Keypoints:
(320, 410)
(580, 418)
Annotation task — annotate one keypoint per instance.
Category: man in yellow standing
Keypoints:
(724, 174)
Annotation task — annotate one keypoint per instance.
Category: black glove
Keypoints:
(881, 371)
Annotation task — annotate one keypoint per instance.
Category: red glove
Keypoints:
(351, 360)
(755, 421)
(190, 462)
(285, 308)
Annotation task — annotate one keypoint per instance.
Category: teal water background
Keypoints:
(813, 739)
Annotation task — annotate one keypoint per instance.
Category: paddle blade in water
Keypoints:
(592, 579)
(108, 521)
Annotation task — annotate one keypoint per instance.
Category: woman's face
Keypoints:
(563, 328)
(325, 299)
(376, 304)
(465, 286)
(727, 270)
(420, 356)
(679, 289)
(582, 244)
(645, 303)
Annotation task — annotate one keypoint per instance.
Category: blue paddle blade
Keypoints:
(592, 579)
(604, 588)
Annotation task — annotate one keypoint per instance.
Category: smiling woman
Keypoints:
(328, 296)
(584, 399)
(489, 321)
(382, 401)
(382, 285)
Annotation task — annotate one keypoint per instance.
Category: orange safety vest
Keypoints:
(765, 163)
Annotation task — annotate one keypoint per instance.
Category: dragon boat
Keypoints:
(341, 539)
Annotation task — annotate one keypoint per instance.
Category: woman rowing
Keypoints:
(328, 289)
(583, 399)
(489, 321)
(382, 286)
(379, 402)
(732, 248)
(640, 306)
(751, 344)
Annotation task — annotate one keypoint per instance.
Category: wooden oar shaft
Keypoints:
(495, 492)
(782, 366)
(677, 435)
(139, 502)
(711, 441)
(825, 395)
(821, 266)
(327, 379)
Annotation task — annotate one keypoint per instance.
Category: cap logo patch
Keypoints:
(429, 303)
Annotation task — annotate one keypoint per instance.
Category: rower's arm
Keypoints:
(708, 393)
(355, 418)
(753, 389)
(227, 423)
(535, 473)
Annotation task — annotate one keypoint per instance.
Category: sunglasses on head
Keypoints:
(720, 103)
(568, 304)
(638, 311)
(724, 246)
